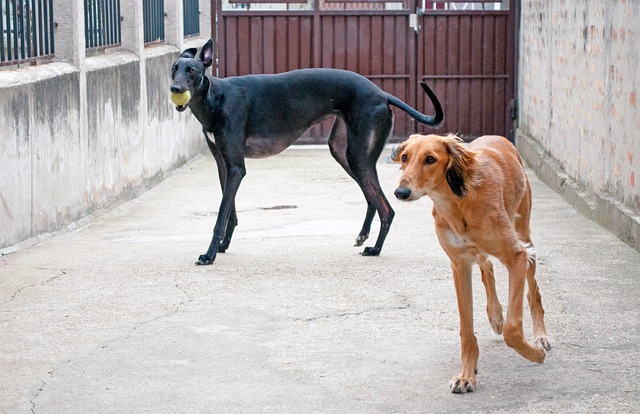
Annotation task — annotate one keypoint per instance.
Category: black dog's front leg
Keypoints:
(234, 177)
(222, 175)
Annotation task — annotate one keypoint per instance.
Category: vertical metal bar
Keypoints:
(195, 15)
(145, 6)
(15, 30)
(109, 22)
(26, 12)
(159, 18)
(118, 27)
(34, 35)
(186, 8)
(87, 24)
(45, 20)
(40, 29)
(51, 26)
(100, 22)
(8, 19)
(23, 53)
(48, 27)
(94, 23)
(154, 20)
(2, 58)
(186, 18)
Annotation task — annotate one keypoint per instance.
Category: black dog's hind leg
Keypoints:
(222, 175)
(338, 148)
(366, 136)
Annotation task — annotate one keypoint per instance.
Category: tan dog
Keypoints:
(481, 206)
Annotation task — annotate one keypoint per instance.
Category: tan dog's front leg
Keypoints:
(465, 381)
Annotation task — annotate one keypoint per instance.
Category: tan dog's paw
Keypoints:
(544, 341)
(459, 385)
(496, 321)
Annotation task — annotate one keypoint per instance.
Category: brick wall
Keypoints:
(578, 92)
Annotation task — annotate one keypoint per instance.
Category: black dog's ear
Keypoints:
(461, 167)
(206, 54)
(188, 53)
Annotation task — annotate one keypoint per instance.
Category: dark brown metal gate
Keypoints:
(467, 56)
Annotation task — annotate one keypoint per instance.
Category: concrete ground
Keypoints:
(113, 316)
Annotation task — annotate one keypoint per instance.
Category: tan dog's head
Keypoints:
(433, 164)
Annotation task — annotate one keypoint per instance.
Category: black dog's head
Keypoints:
(188, 73)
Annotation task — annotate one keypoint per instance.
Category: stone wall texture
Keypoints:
(579, 79)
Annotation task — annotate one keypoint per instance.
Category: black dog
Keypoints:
(257, 116)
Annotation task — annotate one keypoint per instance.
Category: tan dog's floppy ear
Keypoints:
(396, 153)
(460, 169)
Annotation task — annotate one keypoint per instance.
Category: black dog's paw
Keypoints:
(204, 260)
(371, 251)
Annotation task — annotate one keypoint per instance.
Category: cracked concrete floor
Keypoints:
(112, 316)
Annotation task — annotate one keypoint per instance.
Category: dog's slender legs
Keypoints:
(233, 155)
(535, 305)
(494, 309)
(533, 293)
(222, 175)
(512, 330)
(338, 148)
(466, 380)
(346, 146)
(376, 201)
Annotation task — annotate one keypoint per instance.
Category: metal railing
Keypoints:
(102, 23)
(27, 30)
(191, 15)
(153, 21)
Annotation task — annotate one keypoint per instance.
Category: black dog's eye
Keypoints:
(404, 158)
(430, 160)
(191, 71)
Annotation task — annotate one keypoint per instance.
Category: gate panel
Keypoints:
(467, 56)
(264, 43)
(374, 46)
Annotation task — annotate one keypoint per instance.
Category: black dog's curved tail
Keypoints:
(434, 120)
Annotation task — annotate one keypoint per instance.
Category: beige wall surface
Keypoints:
(579, 78)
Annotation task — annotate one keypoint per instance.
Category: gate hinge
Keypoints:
(513, 108)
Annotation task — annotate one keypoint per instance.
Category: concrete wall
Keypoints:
(579, 117)
(81, 133)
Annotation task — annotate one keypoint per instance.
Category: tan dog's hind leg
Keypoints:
(533, 294)
(512, 331)
(535, 302)
(494, 309)
(466, 380)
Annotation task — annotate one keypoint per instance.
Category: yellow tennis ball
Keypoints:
(181, 99)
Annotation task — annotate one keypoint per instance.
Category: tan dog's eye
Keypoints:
(430, 160)
(404, 158)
